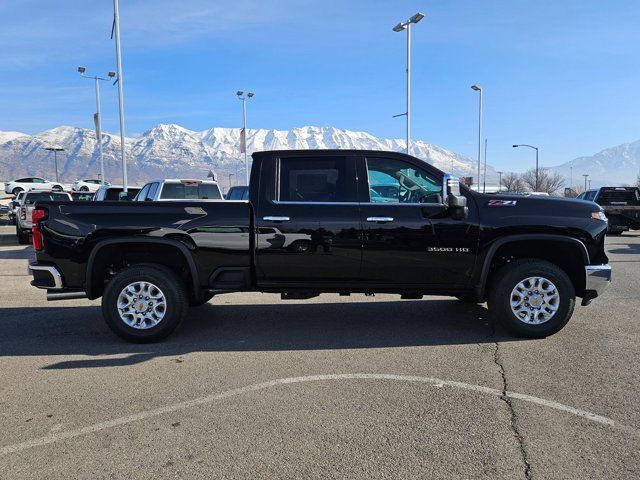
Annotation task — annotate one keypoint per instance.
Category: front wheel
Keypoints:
(84, 189)
(57, 188)
(532, 297)
(144, 303)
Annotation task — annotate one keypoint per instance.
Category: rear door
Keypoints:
(308, 220)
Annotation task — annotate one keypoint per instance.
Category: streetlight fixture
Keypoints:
(97, 117)
(479, 90)
(537, 170)
(243, 135)
(55, 151)
(399, 28)
(499, 181)
(116, 31)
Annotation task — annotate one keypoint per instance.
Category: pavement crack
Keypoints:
(513, 415)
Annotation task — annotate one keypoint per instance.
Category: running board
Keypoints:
(51, 296)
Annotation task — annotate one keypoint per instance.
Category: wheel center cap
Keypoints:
(536, 301)
(139, 306)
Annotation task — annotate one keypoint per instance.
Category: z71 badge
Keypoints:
(502, 203)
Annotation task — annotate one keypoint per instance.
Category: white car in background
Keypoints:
(86, 185)
(31, 183)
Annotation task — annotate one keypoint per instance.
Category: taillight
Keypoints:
(23, 213)
(37, 215)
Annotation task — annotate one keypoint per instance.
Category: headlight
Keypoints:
(599, 216)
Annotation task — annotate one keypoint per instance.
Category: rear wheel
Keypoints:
(57, 188)
(16, 191)
(144, 303)
(532, 297)
(23, 235)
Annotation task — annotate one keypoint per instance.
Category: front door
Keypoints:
(409, 237)
(308, 221)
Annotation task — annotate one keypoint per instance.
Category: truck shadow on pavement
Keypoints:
(25, 253)
(245, 328)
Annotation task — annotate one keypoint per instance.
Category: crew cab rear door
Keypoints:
(308, 225)
(409, 237)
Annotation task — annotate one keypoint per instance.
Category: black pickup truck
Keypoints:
(621, 205)
(329, 221)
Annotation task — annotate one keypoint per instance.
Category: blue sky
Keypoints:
(563, 75)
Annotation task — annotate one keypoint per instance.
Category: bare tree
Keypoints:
(512, 182)
(546, 181)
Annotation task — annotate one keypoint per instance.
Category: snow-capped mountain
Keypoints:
(173, 151)
(613, 166)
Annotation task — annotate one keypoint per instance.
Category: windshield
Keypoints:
(191, 191)
(34, 197)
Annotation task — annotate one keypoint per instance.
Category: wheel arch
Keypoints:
(564, 251)
(97, 262)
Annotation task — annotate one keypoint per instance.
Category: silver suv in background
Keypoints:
(23, 221)
(176, 189)
(114, 193)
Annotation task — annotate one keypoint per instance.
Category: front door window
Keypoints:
(396, 181)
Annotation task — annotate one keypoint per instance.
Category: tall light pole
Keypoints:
(585, 175)
(116, 30)
(243, 136)
(399, 28)
(537, 170)
(98, 118)
(484, 173)
(230, 175)
(55, 151)
(479, 90)
(500, 181)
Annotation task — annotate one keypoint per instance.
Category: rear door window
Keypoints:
(190, 191)
(56, 197)
(317, 180)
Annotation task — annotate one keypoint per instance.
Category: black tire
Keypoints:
(57, 188)
(23, 235)
(84, 189)
(166, 281)
(506, 279)
(201, 300)
(16, 191)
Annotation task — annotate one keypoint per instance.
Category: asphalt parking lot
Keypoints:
(334, 387)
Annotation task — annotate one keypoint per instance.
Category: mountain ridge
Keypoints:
(170, 150)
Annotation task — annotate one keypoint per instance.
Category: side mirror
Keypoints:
(455, 201)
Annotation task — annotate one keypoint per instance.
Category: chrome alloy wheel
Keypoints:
(535, 300)
(141, 305)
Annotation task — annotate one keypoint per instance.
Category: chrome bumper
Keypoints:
(53, 271)
(598, 278)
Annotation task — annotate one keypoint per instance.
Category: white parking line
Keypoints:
(436, 382)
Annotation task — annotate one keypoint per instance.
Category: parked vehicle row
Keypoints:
(620, 204)
(27, 205)
(338, 221)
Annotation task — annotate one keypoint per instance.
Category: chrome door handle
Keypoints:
(380, 219)
(276, 219)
